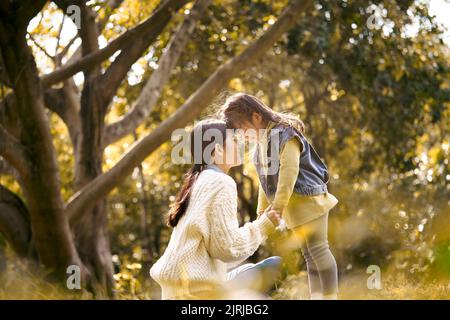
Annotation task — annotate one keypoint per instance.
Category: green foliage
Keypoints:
(401, 82)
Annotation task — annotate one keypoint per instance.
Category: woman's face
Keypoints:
(231, 153)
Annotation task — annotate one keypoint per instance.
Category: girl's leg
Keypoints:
(259, 277)
(315, 286)
(316, 237)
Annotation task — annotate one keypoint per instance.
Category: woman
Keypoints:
(206, 237)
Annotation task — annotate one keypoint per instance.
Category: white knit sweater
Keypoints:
(207, 239)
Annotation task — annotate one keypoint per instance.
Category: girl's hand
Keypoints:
(274, 216)
(260, 213)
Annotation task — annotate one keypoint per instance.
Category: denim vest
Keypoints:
(313, 175)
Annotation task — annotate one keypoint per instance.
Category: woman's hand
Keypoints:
(274, 216)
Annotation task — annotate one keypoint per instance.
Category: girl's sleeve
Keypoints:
(263, 202)
(289, 168)
(227, 241)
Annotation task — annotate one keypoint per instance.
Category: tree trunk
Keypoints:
(147, 248)
(50, 227)
(91, 232)
(92, 242)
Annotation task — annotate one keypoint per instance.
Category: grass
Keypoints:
(353, 286)
(20, 284)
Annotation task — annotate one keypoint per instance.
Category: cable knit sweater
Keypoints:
(207, 239)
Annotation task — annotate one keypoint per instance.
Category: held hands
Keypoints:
(273, 215)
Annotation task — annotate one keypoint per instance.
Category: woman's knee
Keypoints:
(273, 262)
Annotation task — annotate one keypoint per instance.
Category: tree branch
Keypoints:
(4, 80)
(60, 102)
(155, 84)
(89, 38)
(13, 152)
(41, 47)
(110, 7)
(54, 101)
(8, 114)
(58, 38)
(60, 55)
(7, 169)
(26, 11)
(14, 221)
(149, 26)
(119, 69)
(102, 185)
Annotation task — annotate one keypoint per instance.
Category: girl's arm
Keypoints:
(289, 168)
(227, 241)
(263, 202)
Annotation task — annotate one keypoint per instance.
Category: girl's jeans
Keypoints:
(259, 277)
(320, 262)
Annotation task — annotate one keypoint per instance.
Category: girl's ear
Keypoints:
(256, 118)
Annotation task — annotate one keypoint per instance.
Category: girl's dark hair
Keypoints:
(240, 107)
(198, 143)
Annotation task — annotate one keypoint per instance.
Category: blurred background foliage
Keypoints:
(375, 101)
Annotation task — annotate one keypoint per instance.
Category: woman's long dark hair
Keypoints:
(240, 107)
(198, 143)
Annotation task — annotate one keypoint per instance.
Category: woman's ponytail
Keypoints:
(179, 207)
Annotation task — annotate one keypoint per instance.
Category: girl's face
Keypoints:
(251, 130)
(231, 153)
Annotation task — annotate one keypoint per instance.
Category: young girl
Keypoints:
(206, 237)
(296, 188)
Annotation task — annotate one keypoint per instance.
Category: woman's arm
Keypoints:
(287, 176)
(227, 241)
